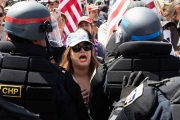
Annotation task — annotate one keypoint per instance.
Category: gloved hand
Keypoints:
(128, 85)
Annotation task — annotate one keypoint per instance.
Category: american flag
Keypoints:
(73, 11)
(115, 14)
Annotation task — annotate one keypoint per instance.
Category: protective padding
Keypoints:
(35, 79)
(157, 65)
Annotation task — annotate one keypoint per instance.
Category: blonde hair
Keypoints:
(171, 10)
(67, 63)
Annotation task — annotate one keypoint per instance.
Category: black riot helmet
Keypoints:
(29, 20)
(140, 24)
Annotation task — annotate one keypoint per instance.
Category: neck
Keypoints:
(83, 78)
(81, 71)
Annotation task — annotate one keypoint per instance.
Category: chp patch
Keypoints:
(135, 94)
(11, 90)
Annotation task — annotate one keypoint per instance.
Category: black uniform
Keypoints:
(162, 104)
(10, 111)
(28, 79)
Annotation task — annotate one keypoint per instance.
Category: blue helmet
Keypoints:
(141, 24)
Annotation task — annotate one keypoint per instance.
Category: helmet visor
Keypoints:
(54, 37)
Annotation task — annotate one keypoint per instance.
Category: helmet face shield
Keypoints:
(54, 37)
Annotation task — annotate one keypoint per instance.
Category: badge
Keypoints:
(135, 94)
(11, 90)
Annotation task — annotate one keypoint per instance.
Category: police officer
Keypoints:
(27, 76)
(115, 39)
(135, 28)
(142, 100)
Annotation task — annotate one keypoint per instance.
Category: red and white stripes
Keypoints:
(73, 11)
(116, 13)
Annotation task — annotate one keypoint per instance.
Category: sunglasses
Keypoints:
(86, 47)
(1, 14)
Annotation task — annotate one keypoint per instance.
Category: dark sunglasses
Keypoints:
(86, 47)
(1, 14)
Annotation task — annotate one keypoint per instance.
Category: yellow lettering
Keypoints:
(10, 91)
(4, 90)
(16, 90)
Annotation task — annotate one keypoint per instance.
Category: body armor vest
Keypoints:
(30, 81)
(152, 58)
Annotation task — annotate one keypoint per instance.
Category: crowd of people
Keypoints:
(51, 75)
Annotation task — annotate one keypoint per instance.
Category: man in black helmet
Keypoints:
(141, 46)
(27, 76)
(115, 40)
(143, 42)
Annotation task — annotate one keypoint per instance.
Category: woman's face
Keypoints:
(80, 55)
(85, 25)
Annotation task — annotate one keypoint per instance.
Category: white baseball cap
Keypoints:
(76, 37)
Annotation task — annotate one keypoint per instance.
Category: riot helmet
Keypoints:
(29, 20)
(140, 24)
(26, 19)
